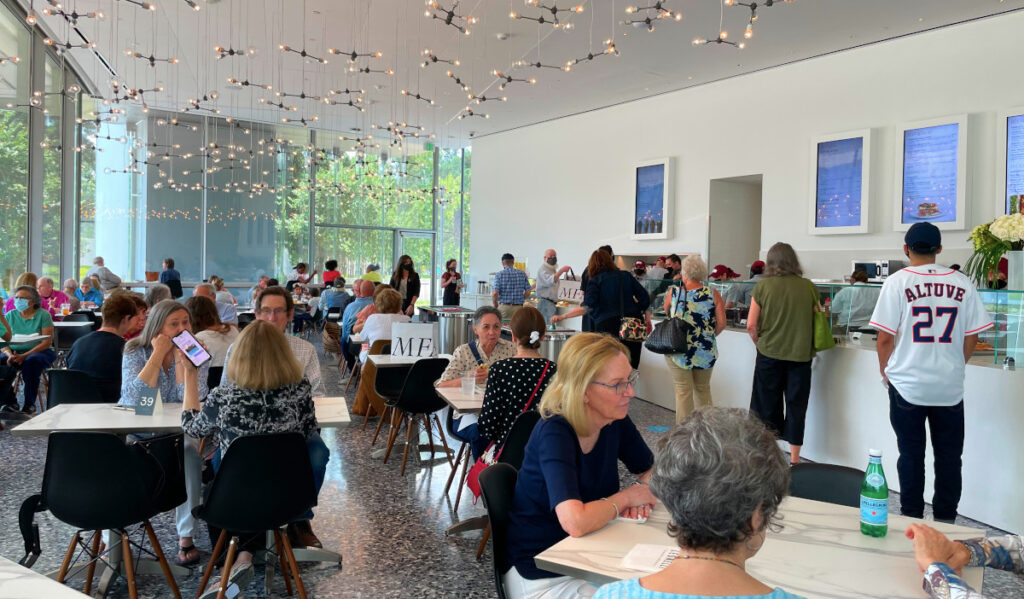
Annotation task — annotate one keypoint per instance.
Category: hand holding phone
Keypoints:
(193, 350)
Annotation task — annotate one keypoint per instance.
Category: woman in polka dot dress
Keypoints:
(511, 382)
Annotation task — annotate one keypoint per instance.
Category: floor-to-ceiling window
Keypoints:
(53, 150)
(15, 93)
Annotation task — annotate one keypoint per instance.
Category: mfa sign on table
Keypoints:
(414, 340)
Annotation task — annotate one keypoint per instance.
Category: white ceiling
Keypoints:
(649, 62)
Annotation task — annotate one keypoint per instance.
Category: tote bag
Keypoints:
(669, 336)
(823, 339)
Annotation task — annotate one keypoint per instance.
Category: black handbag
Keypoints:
(669, 336)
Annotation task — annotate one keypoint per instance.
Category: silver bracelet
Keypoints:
(613, 505)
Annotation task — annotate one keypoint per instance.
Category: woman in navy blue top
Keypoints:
(569, 482)
(611, 295)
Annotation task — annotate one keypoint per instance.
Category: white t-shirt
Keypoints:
(930, 309)
(217, 344)
(378, 326)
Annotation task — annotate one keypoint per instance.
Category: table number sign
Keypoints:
(414, 340)
(147, 401)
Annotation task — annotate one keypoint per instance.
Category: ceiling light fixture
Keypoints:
(449, 16)
(417, 96)
(553, 9)
(247, 83)
(302, 53)
(152, 60)
(506, 80)
(609, 50)
(431, 58)
(228, 52)
(652, 13)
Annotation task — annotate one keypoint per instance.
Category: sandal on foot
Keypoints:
(185, 551)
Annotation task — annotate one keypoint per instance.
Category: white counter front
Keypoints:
(848, 414)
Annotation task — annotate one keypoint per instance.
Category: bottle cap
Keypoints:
(875, 453)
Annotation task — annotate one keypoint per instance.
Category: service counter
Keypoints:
(848, 414)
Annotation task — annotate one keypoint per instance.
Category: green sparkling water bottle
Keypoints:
(874, 498)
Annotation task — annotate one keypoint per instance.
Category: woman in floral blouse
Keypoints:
(941, 560)
(702, 307)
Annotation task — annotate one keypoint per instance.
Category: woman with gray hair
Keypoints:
(702, 307)
(477, 356)
(721, 478)
(70, 287)
(151, 362)
(156, 294)
(781, 324)
(33, 357)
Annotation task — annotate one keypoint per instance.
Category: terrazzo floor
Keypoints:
(389, 528)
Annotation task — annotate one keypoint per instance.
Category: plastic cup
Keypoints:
(469, 384)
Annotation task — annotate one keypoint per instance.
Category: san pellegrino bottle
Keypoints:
(874, 498)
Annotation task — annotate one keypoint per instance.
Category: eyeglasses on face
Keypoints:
(620, 388)
(273, 311)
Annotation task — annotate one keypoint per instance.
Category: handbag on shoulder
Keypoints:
(670, 335)
(632, 328)
(822, 325)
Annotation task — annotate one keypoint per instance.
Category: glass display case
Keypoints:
(850, 307)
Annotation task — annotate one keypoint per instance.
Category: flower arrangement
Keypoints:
(991, 241)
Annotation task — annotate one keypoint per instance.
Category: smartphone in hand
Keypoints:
(195, 352)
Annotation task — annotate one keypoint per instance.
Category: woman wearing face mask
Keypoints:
(407, 282)
(27, 318)
(451, 282)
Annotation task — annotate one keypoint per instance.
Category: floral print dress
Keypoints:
(698, 308)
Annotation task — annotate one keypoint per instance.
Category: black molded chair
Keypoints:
(333, 315)
(418, 398)
(244, 319)
(265, 482)
(71, 386)
(175, 286)
(89, 315)
(93, 481)
(826, 482)
(512, 453)
(66, 337)
(213, 378)
(497, 486)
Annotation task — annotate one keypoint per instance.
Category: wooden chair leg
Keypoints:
(430, 435)
(93, 556)
(294, 566)
(75, 540)
(483, 541)
(285, 573)
(462, 479)
(395, 429)
(409, 441)
(388, 413)
(213, 560)
(129, 567)
(455, 468)
(160, 557)
(225, 572)
(444, 441)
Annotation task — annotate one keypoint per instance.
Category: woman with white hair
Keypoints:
(702, 307)
(721, 478)
(70, 287)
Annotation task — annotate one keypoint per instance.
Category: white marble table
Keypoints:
(331, 412)
(460, 401)
(819, 553)
(63, 324)
(18, 582)
(387, 360)
(356, 338)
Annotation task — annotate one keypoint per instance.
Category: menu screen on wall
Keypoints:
(1015, 164)
(930, 156)
(839, 175)
(650, 199)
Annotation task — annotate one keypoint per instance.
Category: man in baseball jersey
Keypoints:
(928, 319)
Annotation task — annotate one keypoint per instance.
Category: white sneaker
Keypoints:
(240, 578)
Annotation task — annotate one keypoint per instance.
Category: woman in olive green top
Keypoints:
(781, 323)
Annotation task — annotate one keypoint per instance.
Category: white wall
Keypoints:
(568, 184)
(734, 233)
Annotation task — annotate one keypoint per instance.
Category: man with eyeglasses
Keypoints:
(275, 305)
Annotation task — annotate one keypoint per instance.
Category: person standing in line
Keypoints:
(781, 324)
(703, 308)
(108, 280)
(586, 321)
(406, 281)
(928, 319)
(511, 288)
(547, 284)
(451, 283)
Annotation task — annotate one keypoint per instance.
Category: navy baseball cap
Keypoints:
(923, 238)
(507, 256)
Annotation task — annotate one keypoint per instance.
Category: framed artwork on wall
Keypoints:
(931, 173)
(840, 176)
(1011, 161)
(652, 199)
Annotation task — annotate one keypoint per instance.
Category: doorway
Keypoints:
(420, 247)
(734, 223)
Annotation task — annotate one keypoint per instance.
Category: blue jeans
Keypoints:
(547, 308)
(946, 424)
(31, 371)
(318, 458)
